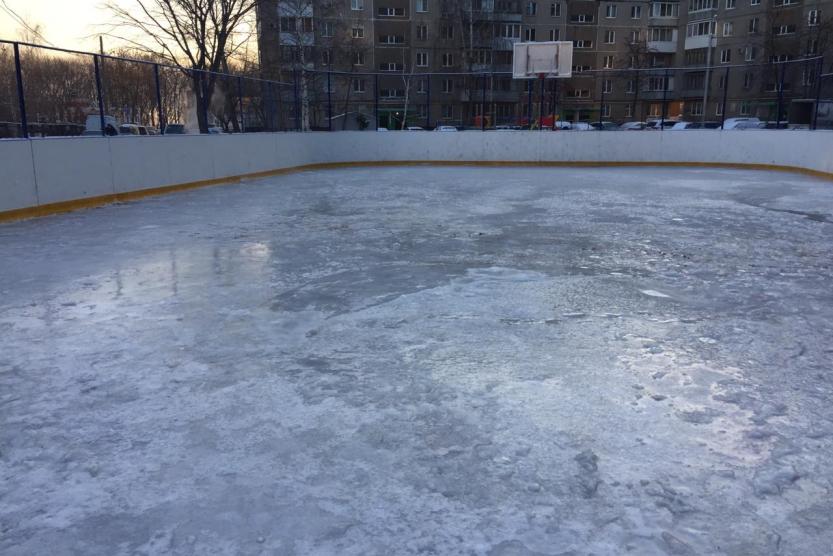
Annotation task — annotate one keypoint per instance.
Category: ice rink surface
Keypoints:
(424, 360)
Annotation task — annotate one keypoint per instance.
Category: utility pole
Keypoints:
(712, 30)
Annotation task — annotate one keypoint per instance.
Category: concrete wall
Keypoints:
(47, 171)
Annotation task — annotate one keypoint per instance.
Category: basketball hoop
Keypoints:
(542, 60)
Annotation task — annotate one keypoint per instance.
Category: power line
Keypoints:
(5, 7)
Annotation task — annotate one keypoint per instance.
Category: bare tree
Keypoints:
(196, 35)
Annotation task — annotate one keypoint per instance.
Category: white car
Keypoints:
(445, 128)
(742, 123)
(632, 126)
(414, 128)
(580, 126)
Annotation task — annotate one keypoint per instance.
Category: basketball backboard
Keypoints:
(531, 60)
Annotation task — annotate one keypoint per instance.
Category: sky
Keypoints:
(66, 23)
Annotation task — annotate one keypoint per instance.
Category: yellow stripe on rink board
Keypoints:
(90, 202)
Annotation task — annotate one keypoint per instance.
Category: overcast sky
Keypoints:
(66, 23)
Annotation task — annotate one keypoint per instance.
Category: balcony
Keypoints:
(663, 21)
(666, 47)
(700, 41)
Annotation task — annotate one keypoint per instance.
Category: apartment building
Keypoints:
(428, 62)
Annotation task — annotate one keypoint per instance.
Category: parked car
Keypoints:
(414, 128)
(632, 126)
(580, 126)
(129, 129)
(506, 127)
(175, 129)
(742, 123)
(605, 126)
(659, 125)
(445, 128)
(679, 126)
(93, 127)
(215, 130)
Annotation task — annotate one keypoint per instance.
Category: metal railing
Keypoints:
(69, 92)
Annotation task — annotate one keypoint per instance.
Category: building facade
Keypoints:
(429, 62)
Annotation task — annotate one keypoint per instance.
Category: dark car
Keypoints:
(175, 129)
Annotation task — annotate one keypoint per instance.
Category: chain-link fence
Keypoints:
(47, 91)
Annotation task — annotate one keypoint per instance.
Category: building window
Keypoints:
(391, 12)
(553, 34)
(531, 8)
(529, 34)
(606, 111)
(358, 58)
(696, 108)
(753, 25)
(812, 46)
(610, 37)
(448, 85)
(779, 3)
(630, 86)
(701, 5)
(780, 30)
(448, 59)
(326, 57)
(448, 111)
(610, 11)
(422, 32)
(287, 24)
(636, 12)
(607, 86)
(446, 32)
(749, 54)
(509, 31)
(661, 34)
(748, 79)
(634, 37)
(754, 2)
(725, 55)
(607, 62)
(422, 59)
(699, 29)
(629, 111)
(813, 18)
(730, 4)
(580, 68)
(358, 32)
(328, 29)
(421, 6)
(655, 110)
(578, 93)
(665, 9)
(582, 44)
(391, 39)
(744, 108)
(358, 85)
(356, 4)
(728, 29)
(390, 66)
(422, 86)
(555, 9)
(582, 18)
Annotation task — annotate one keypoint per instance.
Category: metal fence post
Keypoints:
(21, 97)
(376, 99)
(554, 101)
(159, 108)
(483, 103)
(602, 103)
(725, 95)
(297, 100)
(330, 103)
(529, 105)
(99, 93)
(205, 101)
(427, 101)
(780, 95)
(541, 106)
(240, 103)
(270, 114)
(819, 70)
(666, 82)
